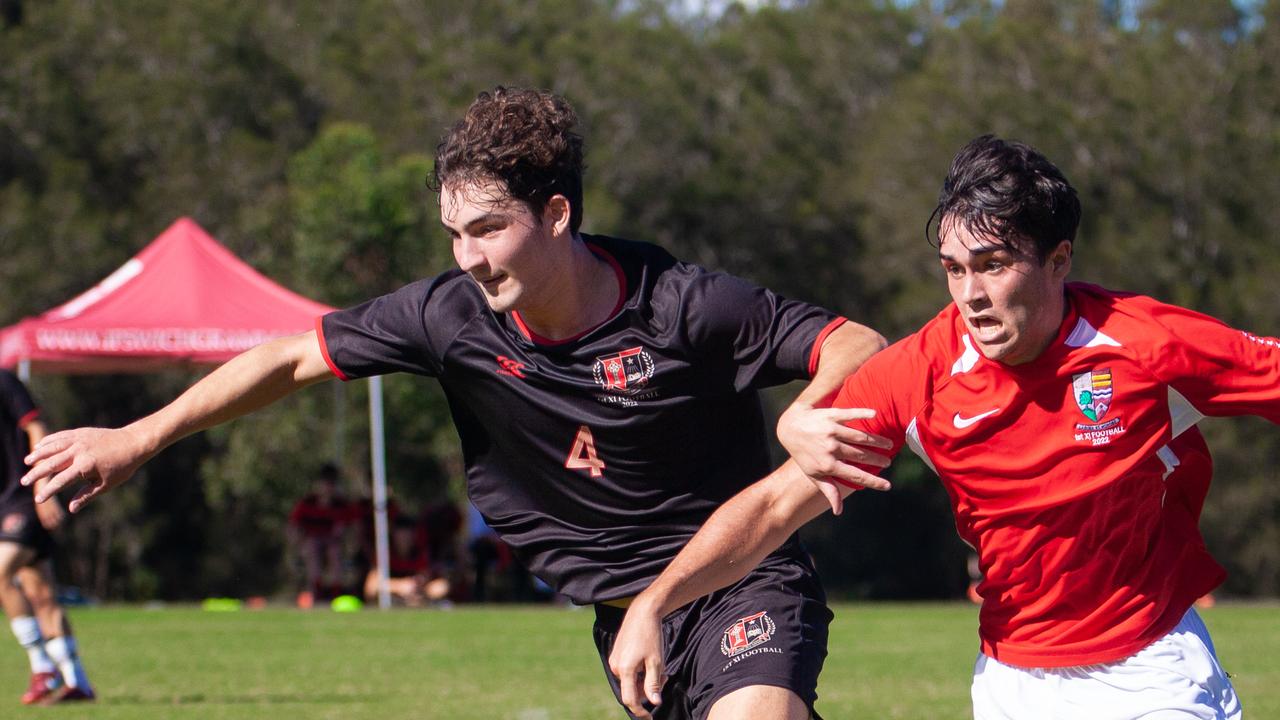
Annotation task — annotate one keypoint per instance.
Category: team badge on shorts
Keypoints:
(749, 632)
(13, 523)
(1092, 392)
(626, 372)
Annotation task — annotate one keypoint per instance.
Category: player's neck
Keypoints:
(578, 299)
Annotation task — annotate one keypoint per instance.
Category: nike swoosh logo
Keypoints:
(964, 422)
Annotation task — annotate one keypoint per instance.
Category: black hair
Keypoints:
(1008, 191)
(328, 472)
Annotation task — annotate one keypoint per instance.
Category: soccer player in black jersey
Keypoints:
(27, 589)
(605, 395)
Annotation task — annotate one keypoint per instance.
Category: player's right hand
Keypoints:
(98, 459)
(823, 446)
(636, 660)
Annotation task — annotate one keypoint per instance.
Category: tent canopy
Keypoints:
(185, 299)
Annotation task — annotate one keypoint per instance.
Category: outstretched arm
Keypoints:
(732, 542)
(101, 458)
(814, 434)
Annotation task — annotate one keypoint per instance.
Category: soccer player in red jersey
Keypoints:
(1061, 419)
(606, 397)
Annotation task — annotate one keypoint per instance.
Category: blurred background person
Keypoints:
(440, 527)
(316, 527)
(412, 581)
(27, 588)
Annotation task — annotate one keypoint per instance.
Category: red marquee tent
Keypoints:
(184, 300)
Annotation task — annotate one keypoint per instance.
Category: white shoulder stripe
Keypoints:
(1182, 414)
(1170, 460)
(967, 360)
(913, 442)
(1086, 335)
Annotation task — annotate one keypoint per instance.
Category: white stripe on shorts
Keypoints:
(1174, 678)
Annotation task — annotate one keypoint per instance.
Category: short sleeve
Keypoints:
(889, 383)
(17, 401)
(756, 337)
(1220, 370)
(404, 331)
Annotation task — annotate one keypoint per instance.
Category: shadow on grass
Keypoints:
(255, 699)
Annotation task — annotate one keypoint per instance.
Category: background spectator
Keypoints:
(316, 527)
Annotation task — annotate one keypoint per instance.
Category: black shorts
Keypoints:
(770, 628)
(19, 524)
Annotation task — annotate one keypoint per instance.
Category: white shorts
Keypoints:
(1176, 678)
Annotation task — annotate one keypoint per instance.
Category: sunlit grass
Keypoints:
(518, 663)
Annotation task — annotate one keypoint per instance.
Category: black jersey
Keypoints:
(596, 458)
(16, 410)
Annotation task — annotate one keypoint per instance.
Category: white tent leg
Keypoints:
(377, 457)
(24, 370)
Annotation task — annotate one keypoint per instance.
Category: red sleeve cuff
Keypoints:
(324, 350)
(816, 352)
(27, 419)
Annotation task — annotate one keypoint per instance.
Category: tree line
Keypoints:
(799, 144)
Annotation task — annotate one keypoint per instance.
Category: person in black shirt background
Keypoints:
(28, 592)
(605, 395)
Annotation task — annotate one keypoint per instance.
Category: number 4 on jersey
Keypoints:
(583, 454)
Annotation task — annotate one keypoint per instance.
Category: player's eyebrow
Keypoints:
(979, 250)
(478, 220)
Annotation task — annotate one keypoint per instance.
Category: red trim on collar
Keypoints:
(816, 352)
(324, 350)
(622, 298)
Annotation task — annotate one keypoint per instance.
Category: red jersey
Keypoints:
(318, 520)
(1079, 476)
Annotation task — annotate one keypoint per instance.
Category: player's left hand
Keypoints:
(636, 660)
(824, 446)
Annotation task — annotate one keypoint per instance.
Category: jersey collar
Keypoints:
(622, 298)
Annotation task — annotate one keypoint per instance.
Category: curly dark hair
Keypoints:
(525, 139)
(1008, 190)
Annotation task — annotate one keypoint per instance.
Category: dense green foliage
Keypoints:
(799, 144)
(887, 660)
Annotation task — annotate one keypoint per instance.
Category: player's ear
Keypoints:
(1060, 259)
(557, 213)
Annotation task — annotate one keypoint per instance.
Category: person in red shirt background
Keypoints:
(408, 567)
(316, 526)
(1060, 418)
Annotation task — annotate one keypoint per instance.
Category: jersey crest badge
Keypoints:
(749, 632)
(626, 372)
(1092, 391)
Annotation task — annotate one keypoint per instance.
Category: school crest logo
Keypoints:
(626, 372)
(749, 632)
(1092, 391)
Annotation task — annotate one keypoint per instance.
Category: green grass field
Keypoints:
(503, 663)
